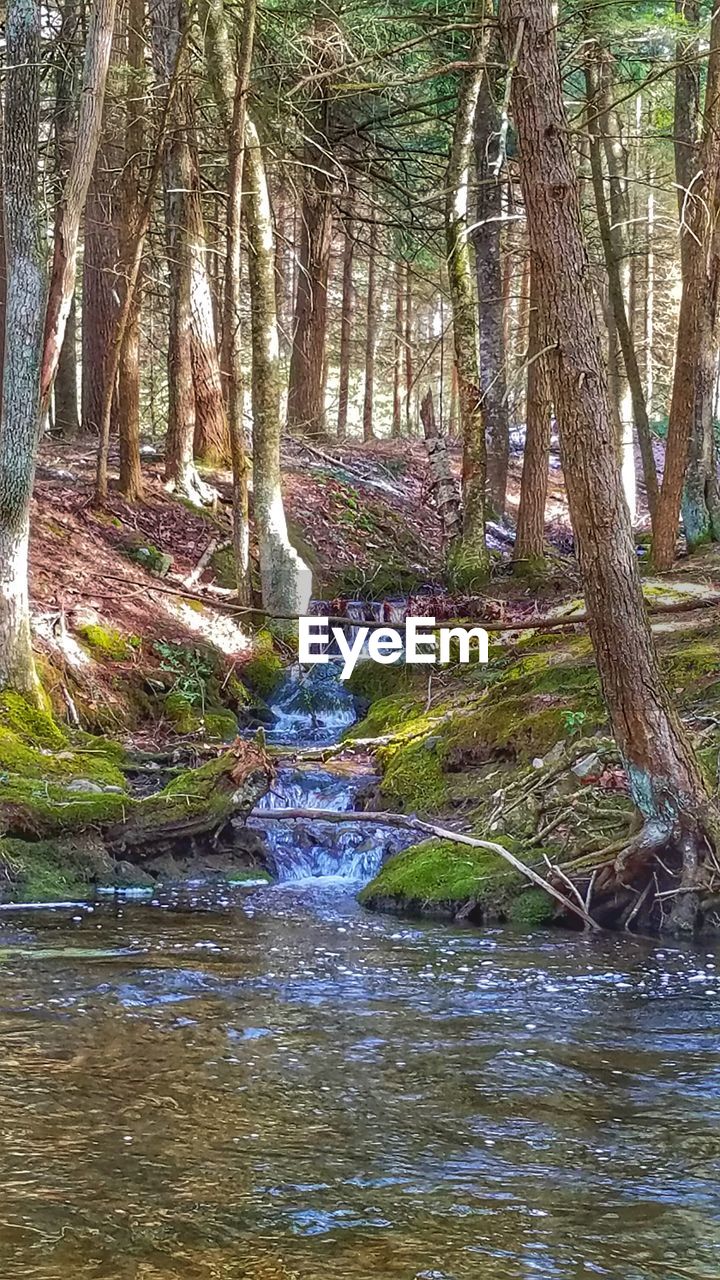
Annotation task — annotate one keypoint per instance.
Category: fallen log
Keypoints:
(411, 823)
(194, 807)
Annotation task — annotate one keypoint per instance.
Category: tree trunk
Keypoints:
(686, 113)
(286, 580)
(603, 128)
(233, 334)
(306, 396)
(690, 426)
(530, 535)
(699, 506)
(70, 208)
(101, 254)
(442, 482)
(67, 405)
(409, 338)
(67, 409)
(370, 330)
(128, 379)
(470, 559)
(25, 258)
(398, 336)
(664, 777)
(168, 22)
(348, 313)
(212, 439)
(487, 238)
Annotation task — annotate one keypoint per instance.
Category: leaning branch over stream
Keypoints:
(411, 823)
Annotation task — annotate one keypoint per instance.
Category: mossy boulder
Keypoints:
(107, 644)
(51, 870)
(442, 878)
(264, 671)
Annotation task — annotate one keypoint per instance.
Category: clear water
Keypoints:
(278, 1085)
(271, 1084)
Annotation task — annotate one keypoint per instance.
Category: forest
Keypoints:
(369, 311)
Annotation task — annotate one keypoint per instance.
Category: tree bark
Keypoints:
(306, 395)
(690, 425)
(168, 23)
(409, 349)
(67, 408)
(26, 283)
(664, 776)
(286, 581)
(530, 536)
(70, 208)
(604, 133)
(348, 312)
(471, 558)
(128, 378)
(487, 239)
(398, 345)
(370, 330)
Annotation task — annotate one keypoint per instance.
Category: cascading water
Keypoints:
(312, 708)
(303, 849)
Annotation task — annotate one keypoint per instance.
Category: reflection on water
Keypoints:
(283, 1087)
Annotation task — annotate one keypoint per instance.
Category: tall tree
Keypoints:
(67, 406)
(470, 558)
(128, 373)
(530, 536)
(306, 390)
(371, 328)
(26, 283)
(169, 20)
(690, 421)
(347, 314)
(614, 223)
(664, 777)
(487, 239)
(286, 581)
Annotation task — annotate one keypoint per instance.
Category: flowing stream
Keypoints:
(268, 1083)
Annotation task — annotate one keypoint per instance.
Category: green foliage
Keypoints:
(191, 669)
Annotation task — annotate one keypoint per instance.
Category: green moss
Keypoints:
(105, 642)
(532, 908)
(436, 871)
(468, 568)
(264, 673)
(371, 681)
(49, 870)
(181, 713)
(222, 564)
(221, 725)
(385, 716)
(149, 556)
(31, 726)
(413, 775)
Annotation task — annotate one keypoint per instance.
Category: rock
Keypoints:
(86, 785)
(589, 767)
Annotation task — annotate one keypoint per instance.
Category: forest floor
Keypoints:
(140, 642)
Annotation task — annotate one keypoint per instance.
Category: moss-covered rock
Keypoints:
(220, 726)
(107, 644)
(264, 672)
(444, 878)
(51, 870)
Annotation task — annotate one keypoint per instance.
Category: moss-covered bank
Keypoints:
(517, 753)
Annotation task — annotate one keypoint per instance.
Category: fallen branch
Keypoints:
(692, 605)
(411, 823)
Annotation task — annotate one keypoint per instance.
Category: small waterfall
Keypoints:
(303, 850)
(312, 706)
